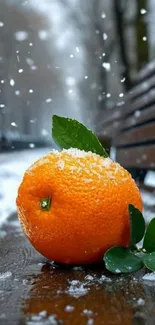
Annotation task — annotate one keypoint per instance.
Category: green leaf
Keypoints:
(121, 260)
(137, 225)
(149, 238)
(45, 203)
(149, 261)
(68, 133)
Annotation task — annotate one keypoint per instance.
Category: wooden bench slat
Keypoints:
(139, 103)
(145, 115)
(137, 135)
(108, 117)
(141, 157)
(140, 89)
(147, 71)
(111, 129)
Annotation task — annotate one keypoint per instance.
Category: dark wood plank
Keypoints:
(110, 129)
(140, 103)
(141, 157)
(139, 117)
(147, 71)
(137, 135)
(108, 117)
(140, 89)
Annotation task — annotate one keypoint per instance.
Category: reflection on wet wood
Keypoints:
(34, 291)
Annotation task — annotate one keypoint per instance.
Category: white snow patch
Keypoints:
(69, 308)
(77, 153)
(77, 289)
(90, 321)
(140, 302)
(104, 278)
(43, 313)
(148, 198)
(107, 162)
(5, 275)
(60, 164)
(150, 178)
(13, 166)
(89, 277)
(53, 320)
(87, 312)
(149, 276)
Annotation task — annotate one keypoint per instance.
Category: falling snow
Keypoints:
(103, 16)
(106, 65)
(43, 35)
(31, 145)
(143, 11)
(14, 124)
(122, 80)
(17, 92)
(29, 61)
(105, 36)
(70, 81)
(48, 100)
(21, 36)
(12, 82)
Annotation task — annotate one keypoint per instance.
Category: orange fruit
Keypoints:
(88, 199)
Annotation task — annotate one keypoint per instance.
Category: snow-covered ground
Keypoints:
(13, 166)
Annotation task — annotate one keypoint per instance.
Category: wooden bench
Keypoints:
(131, 124)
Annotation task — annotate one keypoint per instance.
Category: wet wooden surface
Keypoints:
(34, 291)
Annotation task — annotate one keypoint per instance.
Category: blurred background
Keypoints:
(70, 57)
